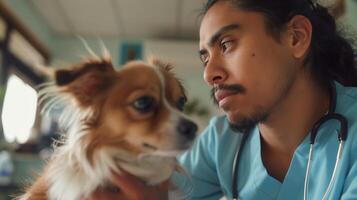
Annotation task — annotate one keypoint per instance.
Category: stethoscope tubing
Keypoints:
(332, 179)
(235, 166)
(338, 159)
(342, 136)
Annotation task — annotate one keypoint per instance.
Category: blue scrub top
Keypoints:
(209, 163)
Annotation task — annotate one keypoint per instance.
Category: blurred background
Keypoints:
(38, 34)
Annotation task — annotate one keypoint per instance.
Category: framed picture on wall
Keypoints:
(130, 51)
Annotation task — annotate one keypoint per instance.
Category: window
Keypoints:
(23, 55)
(24, 51)
(19, 110)
(2, 29)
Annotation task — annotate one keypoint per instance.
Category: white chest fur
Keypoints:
(72, 177)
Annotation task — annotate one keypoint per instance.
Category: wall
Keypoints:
(351, 14)
(32, 20)
(71, 49)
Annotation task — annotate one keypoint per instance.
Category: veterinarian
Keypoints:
(285, 79)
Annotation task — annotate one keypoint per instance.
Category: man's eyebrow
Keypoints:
(222, 30)
(217, 35)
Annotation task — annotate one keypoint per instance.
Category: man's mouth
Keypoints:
(221, 95)
(220, 92)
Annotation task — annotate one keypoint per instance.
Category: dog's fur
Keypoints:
(106, 131)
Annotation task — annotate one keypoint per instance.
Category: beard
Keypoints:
(247, 123)
(244, 124)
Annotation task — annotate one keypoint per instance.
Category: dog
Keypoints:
(129, 119)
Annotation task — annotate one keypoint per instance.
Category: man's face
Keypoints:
(252, 71)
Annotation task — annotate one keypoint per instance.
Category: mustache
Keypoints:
(235, 88)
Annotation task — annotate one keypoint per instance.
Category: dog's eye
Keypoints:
(181, 103)
(144, 104)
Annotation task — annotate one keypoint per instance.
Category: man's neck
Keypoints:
(290, 122)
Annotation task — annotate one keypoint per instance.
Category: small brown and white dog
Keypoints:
(127, 119)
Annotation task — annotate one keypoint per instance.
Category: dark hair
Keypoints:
(331, 56)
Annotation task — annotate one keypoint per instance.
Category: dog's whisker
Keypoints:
(47, 105)
(56, 103)
(65, 99)
(41, 101)
(73, 117)
(50, 88)
(44, 96)
(87, 47)
(50, 104)
(48, 91)
(105, 51)
(44, 85)
(65, 115)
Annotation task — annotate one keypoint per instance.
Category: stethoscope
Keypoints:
(342, 136)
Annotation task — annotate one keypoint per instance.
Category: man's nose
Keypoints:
(214, 72)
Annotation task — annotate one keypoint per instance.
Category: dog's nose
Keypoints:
(187, 128)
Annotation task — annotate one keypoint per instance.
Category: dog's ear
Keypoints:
(86, 81)
(168, 68)
(160, 64)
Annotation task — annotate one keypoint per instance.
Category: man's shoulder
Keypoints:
(220, 125)
(218, 130)
(347, 99)
(347, 106)
(350, 92)
(218, 120)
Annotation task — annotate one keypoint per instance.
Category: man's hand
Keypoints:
(131, 188)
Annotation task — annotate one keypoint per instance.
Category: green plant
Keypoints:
(194, 107)
(2, 95)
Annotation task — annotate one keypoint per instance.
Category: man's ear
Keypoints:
(299, 31)
(86, 81)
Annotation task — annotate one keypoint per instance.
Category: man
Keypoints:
(274, 67)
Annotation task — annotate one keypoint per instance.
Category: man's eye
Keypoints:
(226, 44)
(144, 104)
(204, 59)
